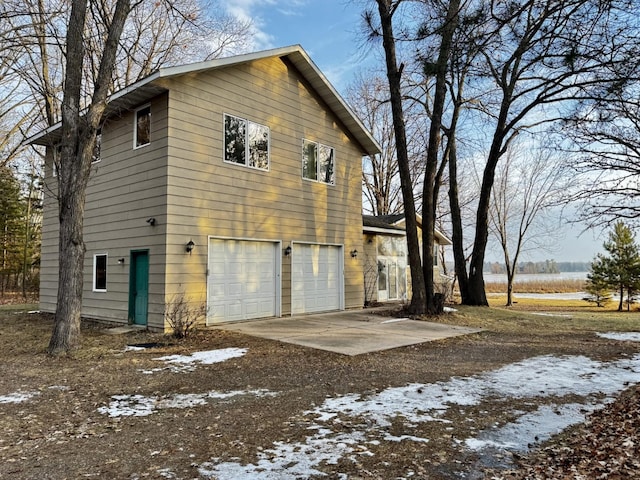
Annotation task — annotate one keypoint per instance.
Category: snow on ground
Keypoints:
(133, 348)
(187, 363)
(292, 461)
(624, 336)
(17, 397)
(141, 406)
(536, 426)
(538, 377)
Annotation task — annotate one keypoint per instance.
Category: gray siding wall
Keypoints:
(126, 187)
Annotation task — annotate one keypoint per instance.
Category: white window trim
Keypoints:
(246, 150)
(135, 126)
(318, 144)
(95, 265)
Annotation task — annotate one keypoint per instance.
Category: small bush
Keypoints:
(183, 315)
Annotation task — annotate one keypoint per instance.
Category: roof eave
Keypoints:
(144, 89)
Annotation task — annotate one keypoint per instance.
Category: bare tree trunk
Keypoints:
(78, 140)
(621, 298)
(386, 9)
(433, 148)
(510, 277)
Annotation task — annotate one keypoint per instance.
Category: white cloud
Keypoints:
(253, 11)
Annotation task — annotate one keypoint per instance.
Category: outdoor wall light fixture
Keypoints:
(287, 251)
(354, 253)
(189, 247)
(151, 221)
(121, 261)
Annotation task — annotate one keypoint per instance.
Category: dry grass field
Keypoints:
(112, 412)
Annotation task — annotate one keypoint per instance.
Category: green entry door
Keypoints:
(139, 287)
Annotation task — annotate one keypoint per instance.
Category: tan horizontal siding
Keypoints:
(211, 197)
(182, 181)
(126, 187)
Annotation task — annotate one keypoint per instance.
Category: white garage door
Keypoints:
(316, 278)
(242, 280)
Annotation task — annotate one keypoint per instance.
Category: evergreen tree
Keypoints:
(11, 228)
(621, 268)
(597, 286)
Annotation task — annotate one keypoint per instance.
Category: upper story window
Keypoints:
(246, 143)
(142, 127)
(100, 272)
(318, 162)
(55, 161)
(95, 157)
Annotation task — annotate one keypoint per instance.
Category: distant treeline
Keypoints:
(546, 266)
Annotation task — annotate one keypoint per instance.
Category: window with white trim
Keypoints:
(246, 143)
(100, 272)
(95, 156)
(318, 162)
(142, 127)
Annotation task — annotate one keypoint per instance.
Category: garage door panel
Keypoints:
(316, 278)
(242, 279)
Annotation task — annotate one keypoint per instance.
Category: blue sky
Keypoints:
(331, 32)
(328, 30)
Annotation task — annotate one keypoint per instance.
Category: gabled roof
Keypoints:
(149, 87)
(394, 224)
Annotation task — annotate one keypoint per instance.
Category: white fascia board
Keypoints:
(386, 231)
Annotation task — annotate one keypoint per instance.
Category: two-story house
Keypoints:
(235, 181)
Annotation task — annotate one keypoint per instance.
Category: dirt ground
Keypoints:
(60, 432)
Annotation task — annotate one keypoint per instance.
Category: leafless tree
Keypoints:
(605, 138)
(382, 26)
(71, 60)
(539, 60)
(529, 182)
(368, 96)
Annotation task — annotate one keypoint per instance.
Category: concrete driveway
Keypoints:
(350, 332)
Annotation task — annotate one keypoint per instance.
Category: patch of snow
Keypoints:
(534, 427)
(207, 357)
(624, 336)
(550, 314)
(33, 311)
(141, 406)
(166, 473)
(393, 438)
(133, 348)
(449, 310)
(17, 397)
(372, 415)
(187, 363)
(396, 320)
(290, 461)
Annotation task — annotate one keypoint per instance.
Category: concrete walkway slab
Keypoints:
(349, 333)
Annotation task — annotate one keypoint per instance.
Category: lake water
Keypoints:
(535, 277)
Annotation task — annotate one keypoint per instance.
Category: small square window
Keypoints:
(100, 272)
(318, 162)
(142, 127)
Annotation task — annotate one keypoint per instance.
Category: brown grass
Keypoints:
(538, 286)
